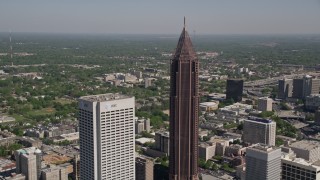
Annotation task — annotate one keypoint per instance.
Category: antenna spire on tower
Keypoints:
(184, 22)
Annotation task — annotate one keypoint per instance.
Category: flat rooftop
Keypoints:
(104, 97)
(307, 145)
(263, 148)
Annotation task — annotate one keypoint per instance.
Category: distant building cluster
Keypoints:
(298, 88)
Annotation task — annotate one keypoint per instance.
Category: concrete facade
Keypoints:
(285, 88)
(28, 162)
(308, 150)
(265, 104)
(258, 130)
(206, 151)
(313, 102)
(106, 124)
(297, 168)
(263, 163)
(144, 168)
(162, 142)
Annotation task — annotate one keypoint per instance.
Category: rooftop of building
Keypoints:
(263, 148)
(204, 145)
(104, 97)
(208, 103)
(29, 150)
(265, 98)
(259, 120)
(314, 96)
(163, 133)
(306, 145)
(144, 140)
(237, 106)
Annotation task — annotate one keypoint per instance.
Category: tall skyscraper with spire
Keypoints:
(184, 105)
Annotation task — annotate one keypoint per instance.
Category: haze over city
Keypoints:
(161, 17)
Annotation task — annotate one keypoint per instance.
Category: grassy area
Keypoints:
(44, 111)
(230, 126)
(64, 101)
(18, 117)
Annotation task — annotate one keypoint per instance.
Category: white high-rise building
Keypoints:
(259, 130)
(106, 124)
(263, 163)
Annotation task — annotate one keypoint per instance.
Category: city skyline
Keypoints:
(163, 17)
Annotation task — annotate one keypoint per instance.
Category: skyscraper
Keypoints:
(285, 88)
(106, 124)
(28, 162)
(234, 89)
(263, 163)
(265, 104)
(144, 168)
(184, 105)
(258, 130)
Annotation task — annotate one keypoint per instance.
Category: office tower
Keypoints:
(144, 168)
(54, 173)
(142, 125)
(315, 86)
(184, 106)
(106, 124)
(317, 117)
(298, 168)
(76, 167)
(307, 86)
(234, 89)
(297, 88)
(312, 102)
(162, 141)
(308, 150)
(28, 162)
(285, 88)
(147, 82)
(265, 104)
(258, 130)
(147, 125)
(263, 163)
(139, 126)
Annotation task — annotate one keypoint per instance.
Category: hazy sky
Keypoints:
(161, 16)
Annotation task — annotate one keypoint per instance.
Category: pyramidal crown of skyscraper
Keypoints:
(184, 107)
(184, 50)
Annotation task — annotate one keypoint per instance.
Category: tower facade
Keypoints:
(285, 88)
(263, 163)
(259, 130)
(106, 124)
(234, 89)
(184, 105)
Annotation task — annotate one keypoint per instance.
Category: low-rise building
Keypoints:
(54, 173)
(308, 150)
(234, 150)
(209, 106)
(206, 151)
(298, 168)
